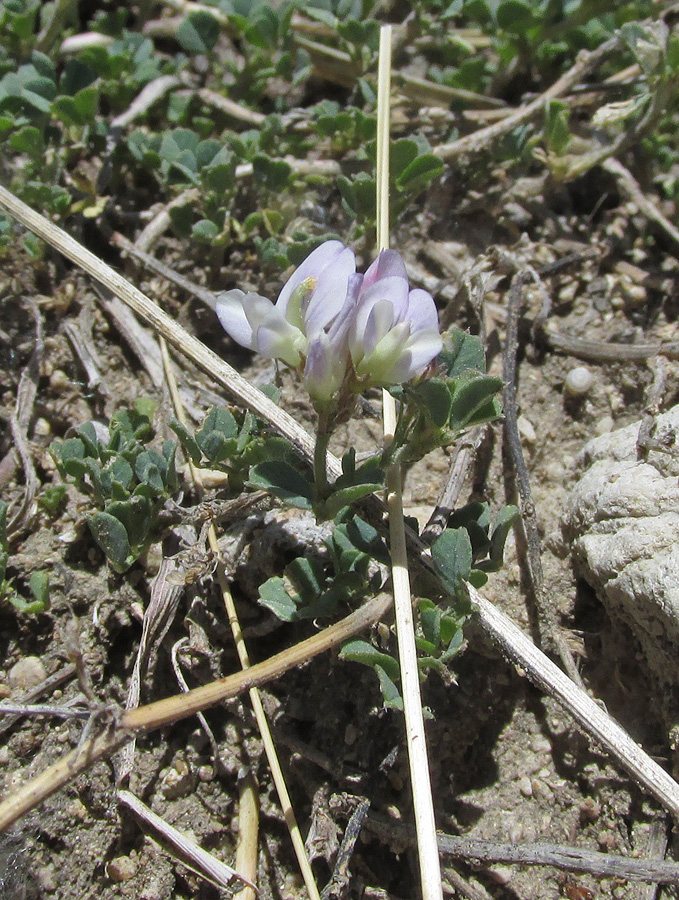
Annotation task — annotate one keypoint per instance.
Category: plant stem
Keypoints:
(323, 432)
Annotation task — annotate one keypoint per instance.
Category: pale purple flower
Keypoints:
(310, 300)
(342, 330)
(394, 332)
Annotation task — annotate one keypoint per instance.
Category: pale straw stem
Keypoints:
(423, 807)
(248, 820)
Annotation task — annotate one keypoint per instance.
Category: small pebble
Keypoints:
(501, 874)
(579, 381)
(47, 879)
(540, 744)
(121, 869)
(526, 429)
(605, 425)
(177, 781)
(350, 734)
(59, 380)
(4, 755)
(29, 672)
(42, 428)
(526, 786)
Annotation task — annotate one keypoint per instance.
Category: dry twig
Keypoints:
(549, 627)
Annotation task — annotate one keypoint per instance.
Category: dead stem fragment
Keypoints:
(172, 709)
(549, 627)
(558, 856)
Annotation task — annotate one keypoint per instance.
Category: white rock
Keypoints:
(622, 520)
(29, 672)
(579, 381)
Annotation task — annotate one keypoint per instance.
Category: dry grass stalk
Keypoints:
(416, 740)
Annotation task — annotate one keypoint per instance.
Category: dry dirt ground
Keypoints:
(507, 764)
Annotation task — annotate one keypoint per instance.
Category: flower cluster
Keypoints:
(341, 330)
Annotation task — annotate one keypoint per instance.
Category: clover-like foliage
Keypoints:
(127, 479)
(38, 583)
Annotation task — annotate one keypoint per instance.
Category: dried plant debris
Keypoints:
(16, 880)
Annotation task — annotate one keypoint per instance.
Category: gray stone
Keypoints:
(622, 521)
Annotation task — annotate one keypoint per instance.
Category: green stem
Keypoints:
(321, 457)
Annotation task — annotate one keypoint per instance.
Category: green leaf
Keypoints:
(205, 231)
(78, 110)
(28, 140)
(390, 693)
(367, 539)
(220, 178)
(221, 420)
(39, 585)
(150, 468)
(348, 495)
(433, 398)
(306, 576)
(452, 557)
(187, 440)
(272, 174)
(402, 154)
(557, 134)
(273, 596)
(199, 32)
(421, 171)
(361, 651)
(472, 395)
(111, 535)
(136, 516)
(284, 482)
(461, 352)
(120, 472)
(514, 16)
(475, 518)
(504, 523)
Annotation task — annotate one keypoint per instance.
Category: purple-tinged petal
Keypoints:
(312, 267)
(240, 315)
(422, 310)
(393, 288)
(327, 298)
(325, 369)
(420, 349)
(343, 321)
(379, 365)
(389, 262)
(380, 320)
(278, 339)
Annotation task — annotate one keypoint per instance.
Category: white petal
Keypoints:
(330, 292)
(422, 310)
(312, 266)
(278, 339)
(325, 369)
(240, 315)
(389, 262)
(380, 363)
(380, 320)
(420, 349)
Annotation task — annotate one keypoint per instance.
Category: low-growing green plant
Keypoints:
(126, 478)
(412, 168)
(344, 332)
(235, 443)
(38, 583)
